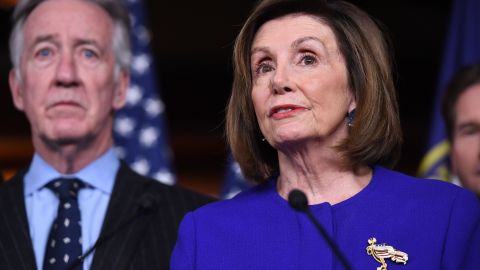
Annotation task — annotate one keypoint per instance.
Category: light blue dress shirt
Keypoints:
(41, 203)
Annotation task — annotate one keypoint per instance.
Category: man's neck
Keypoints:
(70, 158)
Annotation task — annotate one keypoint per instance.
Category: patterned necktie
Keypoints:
(64, 244)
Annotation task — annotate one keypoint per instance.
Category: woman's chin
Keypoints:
(291, 140)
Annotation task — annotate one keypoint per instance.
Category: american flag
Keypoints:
(139, 128)
(234, 181)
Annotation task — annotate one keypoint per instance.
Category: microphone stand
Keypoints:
(298, 201)
(146, 205)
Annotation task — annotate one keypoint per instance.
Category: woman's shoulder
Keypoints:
(421, 188)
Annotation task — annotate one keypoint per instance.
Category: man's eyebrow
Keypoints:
(42, 38)
(53, 38)
(467, 124)
(45, 38)
(85, 41)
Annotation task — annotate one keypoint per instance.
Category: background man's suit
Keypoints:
(145, 243)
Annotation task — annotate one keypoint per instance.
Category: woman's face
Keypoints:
(300, 87)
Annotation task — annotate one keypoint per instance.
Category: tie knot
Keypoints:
(66, 188)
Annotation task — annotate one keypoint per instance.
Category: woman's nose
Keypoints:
(281, 81)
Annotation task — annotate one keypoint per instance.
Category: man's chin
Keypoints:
(65, 140)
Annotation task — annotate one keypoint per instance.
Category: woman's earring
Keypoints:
(350, 117)
(263, 139)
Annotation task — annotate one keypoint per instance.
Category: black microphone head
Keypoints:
(298, 200)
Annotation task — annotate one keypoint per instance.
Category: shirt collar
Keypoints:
(100, 173)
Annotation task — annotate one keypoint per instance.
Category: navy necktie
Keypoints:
(64, 243)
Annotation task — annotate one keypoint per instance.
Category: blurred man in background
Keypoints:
(461, 112)
(70, 74)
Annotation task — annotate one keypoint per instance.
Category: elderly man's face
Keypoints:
(67, 87)
(466, 139)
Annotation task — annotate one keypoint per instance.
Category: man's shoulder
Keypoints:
(12, 187)
(172, 195)
(180, 195)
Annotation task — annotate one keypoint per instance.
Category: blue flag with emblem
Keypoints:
(462, 47)
(139, 128)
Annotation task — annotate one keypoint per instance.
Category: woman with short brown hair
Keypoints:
(313, 108)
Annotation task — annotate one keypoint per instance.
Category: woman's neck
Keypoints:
(322, 175)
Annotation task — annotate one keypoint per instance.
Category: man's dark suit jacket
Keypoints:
(144, 243)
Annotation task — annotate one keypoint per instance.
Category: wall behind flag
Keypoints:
(191, 43)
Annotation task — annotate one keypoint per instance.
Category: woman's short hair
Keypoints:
(374, 138)
(465, 77)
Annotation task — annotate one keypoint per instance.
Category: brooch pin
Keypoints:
(381, 252)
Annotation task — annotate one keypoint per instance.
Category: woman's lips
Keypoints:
(285, 111)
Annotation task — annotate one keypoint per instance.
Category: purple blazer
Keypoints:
(436, 223)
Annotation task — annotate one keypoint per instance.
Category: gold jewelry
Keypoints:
(381, 252)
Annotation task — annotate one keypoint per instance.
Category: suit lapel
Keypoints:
(14, 233)
(117, 252)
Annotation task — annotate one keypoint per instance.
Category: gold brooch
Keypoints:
(382, 251)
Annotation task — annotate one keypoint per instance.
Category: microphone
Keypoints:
(299, 202)
(145, 205)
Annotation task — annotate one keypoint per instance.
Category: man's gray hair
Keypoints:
(120, 33)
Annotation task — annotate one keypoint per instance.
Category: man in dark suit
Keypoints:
(70, 75)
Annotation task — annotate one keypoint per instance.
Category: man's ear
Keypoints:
(16, 88)
(120, 95)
